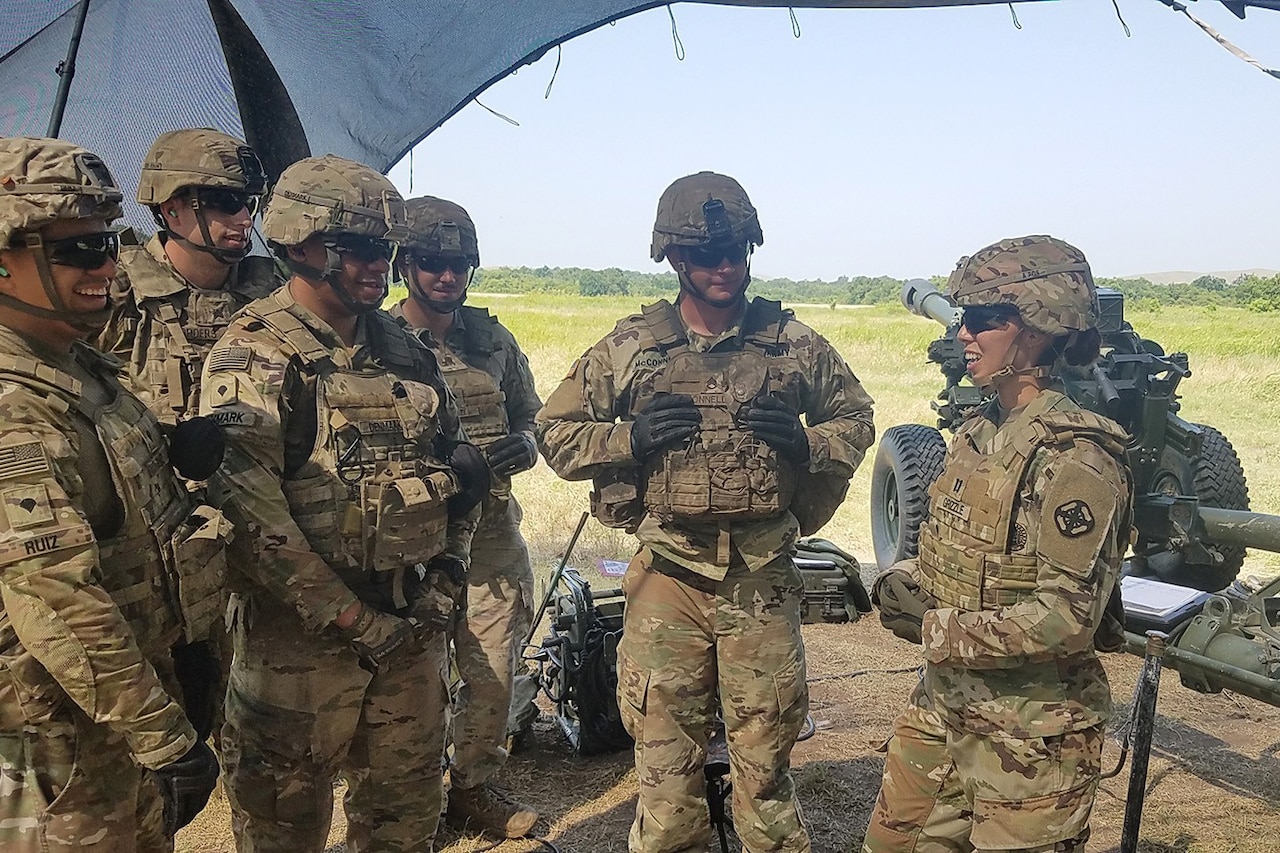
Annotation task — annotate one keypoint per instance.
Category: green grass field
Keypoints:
(1235, 386)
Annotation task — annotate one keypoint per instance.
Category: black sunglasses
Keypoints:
(437, 264)
(984, 318)
(711, 256)
(86, 252)
(366, 250)
(227, 201)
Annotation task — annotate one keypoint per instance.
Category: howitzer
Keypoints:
(1191, 504)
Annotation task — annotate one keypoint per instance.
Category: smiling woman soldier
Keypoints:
(93, 518)
(1000, 747)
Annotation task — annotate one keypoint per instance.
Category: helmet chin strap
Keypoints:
(1009, 373)
(329, 275)
(88, 322)
(226, 256)
(436, 306)
(686, 286)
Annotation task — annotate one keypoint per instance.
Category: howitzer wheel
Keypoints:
(1216, 478)
(909, 459)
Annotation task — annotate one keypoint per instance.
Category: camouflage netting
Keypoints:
(147, 68)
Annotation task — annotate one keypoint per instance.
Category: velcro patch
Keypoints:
(46, 542)
(222, 391)
(230, 358)
(1079, 506)
(27, 506)
(23, 459)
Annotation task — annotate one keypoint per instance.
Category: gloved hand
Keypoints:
(186, 785)
(442, 594)
(778, 426)
(377, 637)
(902, 604)
(667, 419)
(472, 470)
(196, 447)
(512, 454)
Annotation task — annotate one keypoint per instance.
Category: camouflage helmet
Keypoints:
(701, 209)
(43, 180)
(1047, 280)
(332, 195)
(441, 227)
(198, 157)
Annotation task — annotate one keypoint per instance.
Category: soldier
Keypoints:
(1015, 585)
(173, 298)
(687, 416)
(104, 561)
(491, 379)
(338, 427)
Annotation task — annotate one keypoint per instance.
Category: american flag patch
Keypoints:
(23, 459)
(231, 358)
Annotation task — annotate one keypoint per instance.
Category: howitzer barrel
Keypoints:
(1241, 527)
(922, 298)
(1256, 685)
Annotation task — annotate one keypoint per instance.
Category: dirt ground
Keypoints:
(1214, 782)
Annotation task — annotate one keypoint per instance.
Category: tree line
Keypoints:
(1247, 291)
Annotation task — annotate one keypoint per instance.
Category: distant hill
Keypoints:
(1184, 277)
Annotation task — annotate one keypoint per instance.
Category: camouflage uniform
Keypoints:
(104, 564)
(712, 596)
(163, 328)
(491, 379)
(332, 470)
(1000, 747)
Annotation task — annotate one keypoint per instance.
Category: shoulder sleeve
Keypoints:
(838, 412)
(50, 584)
(1077, 515)
(578, 430)
(243, 390)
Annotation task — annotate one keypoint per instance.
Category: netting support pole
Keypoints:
(66, 71)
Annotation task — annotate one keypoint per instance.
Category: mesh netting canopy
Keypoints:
(365, 79)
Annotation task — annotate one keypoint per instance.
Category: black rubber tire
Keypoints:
(909, 459)
(1217, 479)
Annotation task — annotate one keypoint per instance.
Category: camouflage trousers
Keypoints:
(70, 784)
(301, 710)
(487, 647)
(947, 790)
(687, 639)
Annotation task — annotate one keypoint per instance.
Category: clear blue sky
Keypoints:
(886, 142)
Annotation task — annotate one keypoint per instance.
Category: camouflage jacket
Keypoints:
(258, 388)
(585, 432)
(163, 328)
(477, 341)
(88, 615)
(1011, 648)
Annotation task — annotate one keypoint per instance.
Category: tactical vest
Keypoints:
(165, 568)
(370, 499)
(725, 473)
(481, 402)
(965, 541)
(182, 323)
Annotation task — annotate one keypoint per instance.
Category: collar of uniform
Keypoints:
(15, 343)
(706, 343)
(323, 332)
(994, 420)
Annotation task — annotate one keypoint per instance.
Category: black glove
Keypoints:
(472, 470)
(778, 426)
(902, 604)
(186, 785)
(512, 454)
(377, 637)
(442, 594)
(196, 447)
(667, 419)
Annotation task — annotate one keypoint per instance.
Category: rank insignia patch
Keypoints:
(27, 506)
(1073, 518)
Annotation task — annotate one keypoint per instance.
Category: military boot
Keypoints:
(490, 809)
